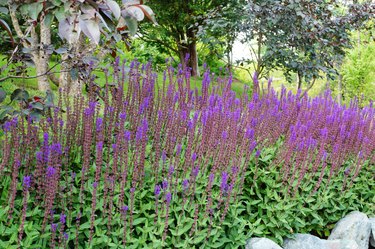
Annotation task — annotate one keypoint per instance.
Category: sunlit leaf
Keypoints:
(90, 28)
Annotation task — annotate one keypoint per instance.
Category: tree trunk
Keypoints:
(38, 45)
(69, 76)
(299, 80)
(43, 60)
(191, 49)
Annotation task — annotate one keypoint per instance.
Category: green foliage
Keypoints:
(358, 71)
(303, 37)
(22, 104)
(264, 210)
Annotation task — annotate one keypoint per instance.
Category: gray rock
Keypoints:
(304, 241)
(372, 236)
(355, 226)
(261, 243)
(341, 244)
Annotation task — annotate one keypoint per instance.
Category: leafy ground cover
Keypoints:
(174, 166)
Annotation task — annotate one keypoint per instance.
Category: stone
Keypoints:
(341, 244)
(372, 235)
(354, 226)
(261, 243)
(305, 241)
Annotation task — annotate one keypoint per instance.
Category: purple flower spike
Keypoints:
(54, 227)
(157, 190)
(27, 182)
(168, 197)
(99, 124)
(66, 236)
(123, 115)
(124, 209)
(196, 171)
(164, 156)
(127, 135)
(62, 218)
(95, 184)
(194, 157)
(99, 145)
(185, 184)
(51, 171)
(224, 135)
(257, 154)
(171, 170)
(165, 184)
(179, 148)
(211, 177)
(224, 180)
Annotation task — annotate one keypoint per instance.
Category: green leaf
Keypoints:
(199, 238)
(19, 95)
(37, 106)
(132, 24)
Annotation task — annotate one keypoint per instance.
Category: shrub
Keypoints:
(172, 166)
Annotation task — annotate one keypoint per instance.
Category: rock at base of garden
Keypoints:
(305, 241)
(341, 244)
(372, 236)
(261, 243)
(355, 226)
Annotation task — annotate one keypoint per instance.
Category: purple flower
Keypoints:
(196, 171)
(224, 180)
(54, 227)
(99, 124)
(51, 171)
(66, 236)
(73, 175)
(168, 197)
(179, 148)
(127, 135)
(185, 184)
(45, 137)
(163, 156)
(165, 184)
(224, 135)
(249, 133)
(194, 157)
(57, 148)
(157, 190)
(211, 177)
(99, 146)
(132, 190)
(234, 170)
(257, 154)
(62, 218)
(123, 115)
(124, 209)
(171, 170)
(26, 182)
(95, 184)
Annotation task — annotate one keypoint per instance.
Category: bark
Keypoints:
(299, 80)
(191, 49)
(73, 85)
(43, 60)
(37, 46)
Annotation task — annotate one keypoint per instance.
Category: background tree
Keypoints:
(303, 37)
(179, 23)
(222, 27)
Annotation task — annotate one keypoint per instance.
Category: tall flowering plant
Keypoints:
(166, 165)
